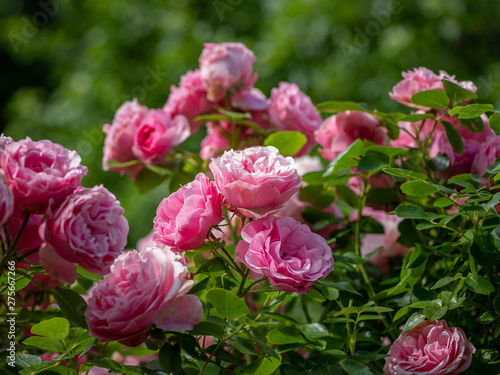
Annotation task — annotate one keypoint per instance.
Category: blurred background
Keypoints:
(67, 65)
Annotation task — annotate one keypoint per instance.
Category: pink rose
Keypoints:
(120, 137)
(249, 100)
(6, 200)
(431, 348)
(486, 154)
(214, 142)
(224, 66)
(387, 241)
(256, 181)
(421, 79)
(184, 218)
(339, 131)
(287, 252)
(41, 172)
(4, 141)
(157, 134)
(189, 99)
(142, 289)
(291, 109)
(88, 228)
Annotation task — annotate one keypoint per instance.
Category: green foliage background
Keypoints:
(67, 65)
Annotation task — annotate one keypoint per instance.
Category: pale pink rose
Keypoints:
(287, 252)
(120, 137)
(56, 266)
(214, 142)
(6, 199)
(157, 134)
(224, 66)
(142, 289)
(88, 228)
(421, 79)
(4, 141)
(339, 131)
(146, 241)
(41, 172)
(189, 99)
(431, 348)
(387, 241)
(184, 218)
(249, 100)
(257, 181)
(291, 109)
(486, 155)
(29, 240)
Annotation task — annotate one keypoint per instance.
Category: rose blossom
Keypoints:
(6, 200)
(4, 141)
(487, 153)
(184, 218)
(431, 348)
(41, 172)
(339, 131)
(189, 99)
(226, 65)
(250, 100)
(291, 109)
(285, 251)
(88, 228)
(421, 79)
(256, 181)
(120, 137)
(214, 142)
(157, 134)
(142, 289)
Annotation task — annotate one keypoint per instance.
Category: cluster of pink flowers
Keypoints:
(57, 222)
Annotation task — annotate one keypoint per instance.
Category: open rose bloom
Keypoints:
(431, 348)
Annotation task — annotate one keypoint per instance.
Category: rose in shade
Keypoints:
(88, 228)
(6, 200)
(157, 134)
(339, 131)
(142, 289)
(184, 218)
(189, 99)
(285, 251)
(431, 348)
(224, 66)
(120, 138)
(214, 142)
(256, 181)
(41, 172)
(291, 109)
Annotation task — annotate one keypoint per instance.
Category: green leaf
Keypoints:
(355, 368)
(417, 117)
(413, 321)
(285, 335)
(494, 122)
(443, 202)
(55, 328)
(335, 106)
(72, 306)
(479, 284)
(405, 173)
(346, 159)
(208, 329)
(372, 161)
(116, 367)
(313, 330)
(453, 136)
(431, 98)
(114, 163)
(263, 366)
(159, 170)
(342, 285)
(417, 188)
(227, 304)
(235, 115)
(471, 111)
(170, 358)
(147, 180)
(287, 142)
(27, 360)
(283, 318)
(442, 282)
(456, 92)
(386, 150)
(407, 211)
(83, 273)
(45, 343)
(435, 312)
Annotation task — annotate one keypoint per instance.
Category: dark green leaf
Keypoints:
(208, 329)
(147, 180)
(494, 122)
(313, 330)
(431, 98)
(287, 142)
(405, 173)
(342, 285)
(27, 360)
(413, 321)
(417, 117)
(346, 159)
(453, 136)
(417, 188)
(355, 368)
(72, 306)
(471, 111)
(372, 161)
(407, 211)
(116, 367)
(227, 304)
(479, 284)
(285, 335)
(170, 358)
(456, 92)
(263, 366)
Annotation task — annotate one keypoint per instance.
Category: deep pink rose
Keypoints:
(214, 142)
(287, 252)
(339, 131)
(88, 228)
(421, 79)
(256, 181)
(184, 218)
(291, 109)
(387, 241)
(6, 199)
(431, 348)
(224, 66)
(41, 172)
(157, 134)
(189, 99)
(120, 137)
(142, 289)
